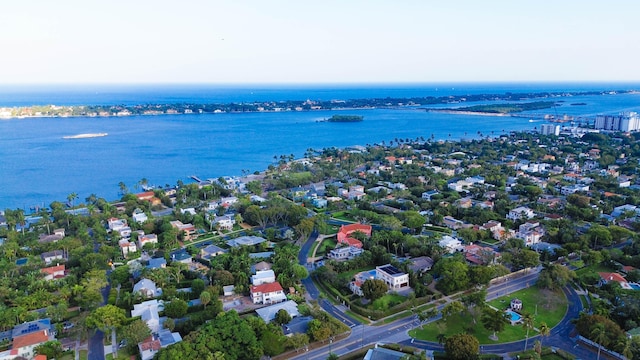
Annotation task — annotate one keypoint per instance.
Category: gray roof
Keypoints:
(246, 241)
(269, 313)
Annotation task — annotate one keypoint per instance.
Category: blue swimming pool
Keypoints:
(634, 286)
(514, 316)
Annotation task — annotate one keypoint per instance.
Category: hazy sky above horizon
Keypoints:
(330, 41)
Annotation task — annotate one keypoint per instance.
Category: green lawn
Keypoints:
(325, 246)
(593, 269)
(342, 215)
(388, 301)
(551, 309)
(84, 354)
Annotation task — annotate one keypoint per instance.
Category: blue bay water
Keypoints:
(37, 166)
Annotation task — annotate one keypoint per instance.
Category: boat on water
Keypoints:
(85, 136)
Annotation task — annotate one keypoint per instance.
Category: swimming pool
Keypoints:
(634, 286)
(515, 317)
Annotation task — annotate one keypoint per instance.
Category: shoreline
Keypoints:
(476, 113)
(400, 103)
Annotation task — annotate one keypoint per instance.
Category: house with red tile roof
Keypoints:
(149, 196)
(268, 293)
(606, 277)
(53, 272)
(23, 345)
(344, 235)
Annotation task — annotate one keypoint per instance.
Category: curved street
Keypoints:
(397, 332)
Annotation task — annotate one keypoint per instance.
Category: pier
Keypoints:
(197, 179)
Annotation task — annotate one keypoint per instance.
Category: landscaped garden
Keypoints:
(551, 308)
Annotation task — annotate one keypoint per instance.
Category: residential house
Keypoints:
(53, 272)
(211, 251)
(127, 247)
(521, 212)
(224, 222)
(228, 290)
(139, 216)
(420, 264)
(427, 195)
(345, 253)
(606, 277)
(188, 230)
(147, 288)
(120, 226)
(190, 211)
(157, 263)
(263, 277)
(23, 345)
(246, 241)
(150, 197)
(384, 353)
(531, 232)
(269, 293)
(182, 256)
(149, 313)
(573, 188)
(450, 244)
(268, 313)
(452, 223)
(480, 255)
(147, 239)
(345, 232)
(51, 256)
(393, 277)
(58, 234)
(261, 266)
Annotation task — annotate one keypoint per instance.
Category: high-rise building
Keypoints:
(628, 121)
(550, 129)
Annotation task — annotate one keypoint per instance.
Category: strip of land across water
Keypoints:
(308, 105)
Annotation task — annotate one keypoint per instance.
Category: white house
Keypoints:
(531, 232)
(147, 239)
(263, 277)
(148, 312)
(127, 247)
(139, 217)
(344, 253)
(269, 293)
(450, 244)
(147, 288)
(573, 188)
(521, 212)
(394, 278)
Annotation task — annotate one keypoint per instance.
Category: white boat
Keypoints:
(85, 136)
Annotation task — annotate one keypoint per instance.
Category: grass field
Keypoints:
(551, 308)
(388, 301)
(325, 246)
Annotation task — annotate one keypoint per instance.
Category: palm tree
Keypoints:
(123, 188)
(544, 331)
(599, 334)
(72, 197)
(20, 219)
(44, 214)
(527, 324)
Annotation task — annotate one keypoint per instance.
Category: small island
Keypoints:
(503, 109)
(345, 118)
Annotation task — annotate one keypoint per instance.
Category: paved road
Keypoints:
(313, 290)
(397, 332)
(96, 341)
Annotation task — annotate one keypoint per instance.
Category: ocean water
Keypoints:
(38, 166)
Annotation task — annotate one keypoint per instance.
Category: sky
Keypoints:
(328, 41)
